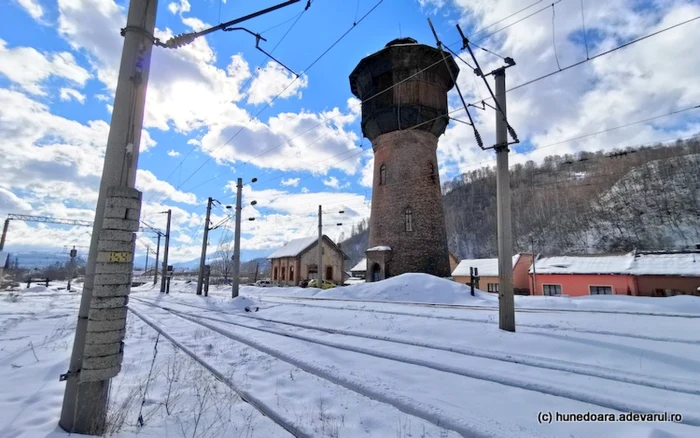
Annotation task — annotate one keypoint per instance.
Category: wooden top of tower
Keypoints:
(419, 99)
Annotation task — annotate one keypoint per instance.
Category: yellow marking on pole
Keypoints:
(118, 256)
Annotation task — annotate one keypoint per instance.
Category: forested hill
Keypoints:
(643, 198)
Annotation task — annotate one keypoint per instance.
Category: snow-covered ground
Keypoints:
(413, 356)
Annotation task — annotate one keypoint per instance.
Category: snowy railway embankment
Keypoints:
(410, 356)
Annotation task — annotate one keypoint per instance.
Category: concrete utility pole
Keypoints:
(534, 268)
(155, 266)
(203, 259)
(506, 304)
(4, 234)
(237, 241)
(320, 247)
(71, 269)
(164, 278)
(84, 408)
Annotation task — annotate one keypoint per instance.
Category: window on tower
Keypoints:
(431, 168)
(382, 174)
(409, 219)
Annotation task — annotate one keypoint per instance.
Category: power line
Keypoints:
(583, 26)
(281, 92)
(629, 43)
(369, 98)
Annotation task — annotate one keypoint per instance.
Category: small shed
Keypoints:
(360, 269)
(298, 260)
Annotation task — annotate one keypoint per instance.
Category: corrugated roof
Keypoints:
(361, 266)
(677, 263)
(486, 267)
(294, 247)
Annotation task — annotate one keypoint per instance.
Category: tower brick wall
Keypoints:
(404, 92)
(411, 183)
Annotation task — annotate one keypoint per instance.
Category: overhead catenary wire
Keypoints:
(583, 28)
(391, 87)
(314, 62)
(554, 42)
(579, 137)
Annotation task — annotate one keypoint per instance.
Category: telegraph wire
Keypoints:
(505, 18)
(554, 42)
(371, 97)
(629, 43)
(281, 92)
(583, 26)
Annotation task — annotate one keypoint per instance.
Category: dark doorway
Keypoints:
(376, 271)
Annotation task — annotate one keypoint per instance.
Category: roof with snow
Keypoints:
(660, 263)
(297, 246)
(294, 247)
(486, 267)
(379, 248)
(361, 266)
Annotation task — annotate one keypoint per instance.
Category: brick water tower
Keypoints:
(407, 224)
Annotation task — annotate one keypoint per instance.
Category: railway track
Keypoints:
(623, 399)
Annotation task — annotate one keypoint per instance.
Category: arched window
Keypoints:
(431, 168)
(283, 271)
(409, 219)
(274, 273)
(291, 273)
(382, 174)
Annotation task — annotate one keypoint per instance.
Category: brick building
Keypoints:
(488, 273)
(407, 225)
(654, 274)
(298, 260)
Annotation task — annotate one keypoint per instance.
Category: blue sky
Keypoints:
(58, 63)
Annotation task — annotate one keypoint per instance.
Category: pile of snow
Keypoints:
(419, 288)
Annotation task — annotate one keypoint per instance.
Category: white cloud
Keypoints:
(103, 97)
(304, 190)
(173, 153)
(28, 68)
(32, 7)
(11, 203)
(147, 182)
(195, 24)
(334, 183)
(289, 141)
(272, 80)
(291, 215)
(649, 78)
(69, 93)
(182, 6)
(293, 182)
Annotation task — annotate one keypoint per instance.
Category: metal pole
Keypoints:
(203, 259)
(85, 403)
(320, 247)
(155, 267)
(255, 278)
(237, 241)
(163, 280)
(534, 268)
(4, 234)
(506, 304)
(71, 268)
(145, 268)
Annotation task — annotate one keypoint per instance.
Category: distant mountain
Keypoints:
(37, 259)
